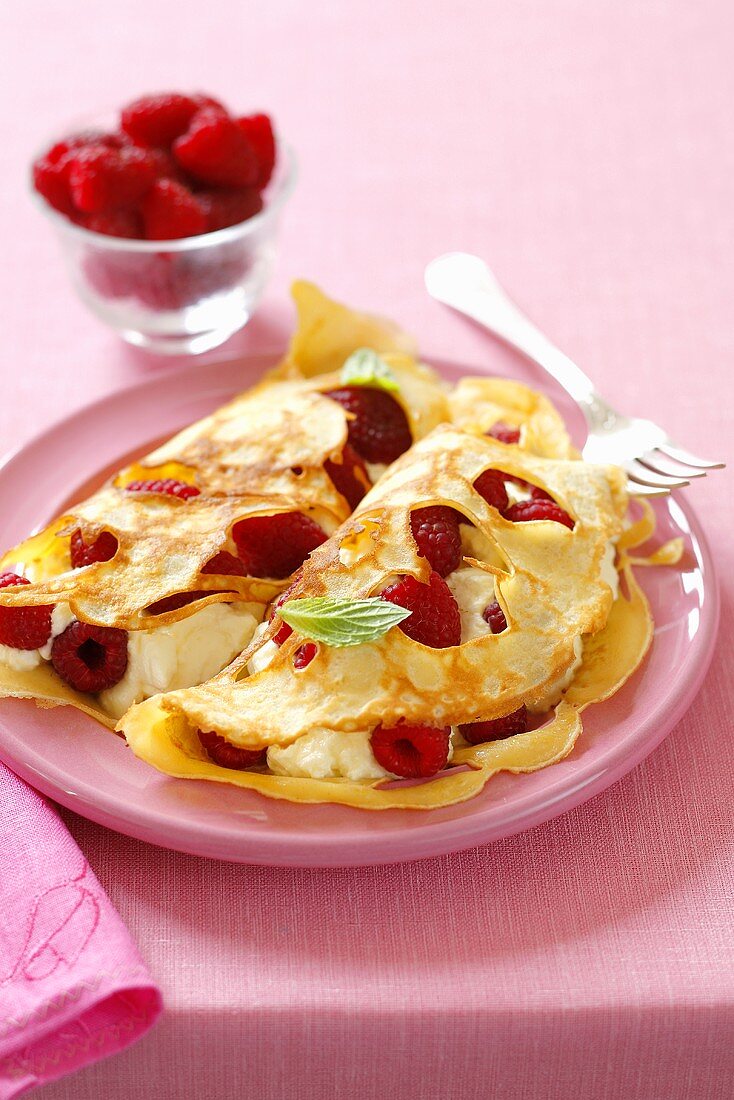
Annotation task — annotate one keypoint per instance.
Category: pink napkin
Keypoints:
(73, 987)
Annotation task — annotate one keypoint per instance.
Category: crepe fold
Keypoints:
(547, 579)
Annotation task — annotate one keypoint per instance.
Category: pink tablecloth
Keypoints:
(585, 149)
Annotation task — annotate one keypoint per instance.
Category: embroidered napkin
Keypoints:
(73, 987)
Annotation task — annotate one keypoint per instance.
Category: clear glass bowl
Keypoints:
(182, 296)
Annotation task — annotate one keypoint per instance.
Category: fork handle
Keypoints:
(467, 284)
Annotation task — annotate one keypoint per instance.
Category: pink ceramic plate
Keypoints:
(69, 757)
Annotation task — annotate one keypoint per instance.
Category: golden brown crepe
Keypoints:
(263, 453)
(547, 578)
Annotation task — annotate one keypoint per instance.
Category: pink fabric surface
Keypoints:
(73, 987)
(586, 150)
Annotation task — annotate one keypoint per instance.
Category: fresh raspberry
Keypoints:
(172, 603)
(304, 654)
(504, 433)
(414, 752)
(526, 510)
(203, 101)
(215, 151)
(379, 430)
(103, 548)
(103, 179)
(23, 627)
(114, 223)
(90, 658)
(171, 211)
(81, 140)
(498, 728)
(225, 564)
(50, 180)
(275, 546)
(282, 633)
(158, 119)
(350, 476)
(258, 129)
(51, 171)
(436, 531)
(224, 208)
(167, 485)
(491, 486)
(226, 755)
(495, 617)
(435, 619)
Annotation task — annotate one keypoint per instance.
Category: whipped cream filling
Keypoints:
(265, 653)
(327, 754)
(180, 655)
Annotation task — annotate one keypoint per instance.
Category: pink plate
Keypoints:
(81, 765)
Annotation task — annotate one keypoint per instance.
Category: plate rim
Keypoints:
(434, 838)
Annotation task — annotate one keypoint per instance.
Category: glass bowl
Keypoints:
(182, 296)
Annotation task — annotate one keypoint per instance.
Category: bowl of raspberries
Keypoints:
(168, 216)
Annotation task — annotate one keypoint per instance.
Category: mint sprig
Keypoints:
(365, 367)
(341, 622)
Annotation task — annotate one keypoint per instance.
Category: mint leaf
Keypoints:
(365, 367)
(342, 622)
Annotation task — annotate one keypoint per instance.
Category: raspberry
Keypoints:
(498, 728)
(495, 617)
(225, 564)
(223, 208)
(103, 179)
(215, 151)
(275, 546)
(103, 548)
(90, 658)
(50, 180)
(539, 508)
(491, 486)
(114, 223)
(158, 119)
(282, 633)
(350, 476)
(167, 485)
(436, 531)
(258, 129)
(304, 654)
(23, 627)
(81, 140)
(226, 755)
(171, 211)
(379, 430)
(504, 433)
(208, 101)
(435, 619)
(413, 752)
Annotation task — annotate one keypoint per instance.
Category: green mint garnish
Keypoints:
(365, 367)
(342, 622)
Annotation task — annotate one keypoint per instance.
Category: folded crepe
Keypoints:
(384, 651)
(171, 562)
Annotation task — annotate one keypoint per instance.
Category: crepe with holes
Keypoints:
(548, 579)
(158, 543)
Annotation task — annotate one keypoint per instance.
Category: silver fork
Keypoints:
(654, 462)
